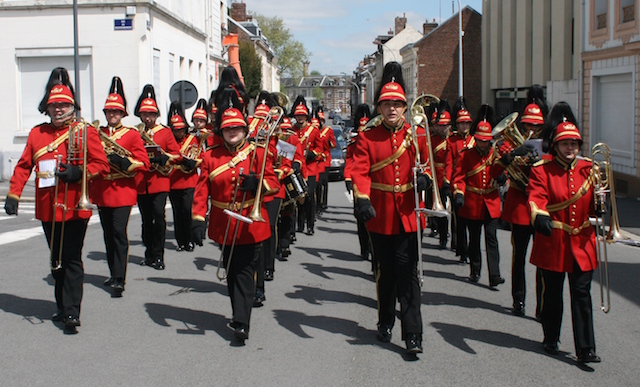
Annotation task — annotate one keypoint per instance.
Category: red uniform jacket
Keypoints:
(152, 181)
(328, 142)
(460, 142)
(115, 189)
(219, 174)
(179, 178)
(442, 158)
(472, 178)
(382, 171)
(565, 193)
(46, 142)
(309, 137)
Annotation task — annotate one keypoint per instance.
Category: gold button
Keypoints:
(396, 188)
(397, 179)
(572, 220)
(576, 231)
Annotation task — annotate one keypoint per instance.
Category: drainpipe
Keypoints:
(231, 42)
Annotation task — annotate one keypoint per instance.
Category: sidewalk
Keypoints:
(628, 208)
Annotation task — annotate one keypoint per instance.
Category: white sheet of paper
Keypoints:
(286, 149)
(48, 167)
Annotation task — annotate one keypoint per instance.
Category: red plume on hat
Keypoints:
(58, 90)
(147, 101)
(116, 99)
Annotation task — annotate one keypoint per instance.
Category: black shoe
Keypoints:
(108, 282)
(189, 247)
(300, 229)
(293, 239)
(147, 262)
(414, 343)
(495, 281)
(310, 231)
(384, 333)
(551, 348)
(442, 245)
(588, 356)
(259, 298)
(518, 309)
(118, 285)
(433, 234)
(365, 256)
(268, 275)
(57, 316)
(158, 265)
(71, 321)
(233, 325)
(241, 333)
(285, 253)
(464, 259)
(180, 248)
(474, 278)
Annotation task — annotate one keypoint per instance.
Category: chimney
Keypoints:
(305, 71)
(239, 12)
(401, 23)
(428, 27)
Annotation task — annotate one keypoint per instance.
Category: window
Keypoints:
(328, 94)
(625, 25)
(598, 22)
(341, 95)
(156, 70)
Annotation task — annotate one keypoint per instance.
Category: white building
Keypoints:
(157, 42)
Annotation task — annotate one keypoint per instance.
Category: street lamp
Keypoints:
(372, 84)
(384, 45)
(460, 33)
(357, 87)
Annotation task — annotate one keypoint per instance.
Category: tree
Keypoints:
(290, 53)
(318, 93)
(315, 72)
(251, 68)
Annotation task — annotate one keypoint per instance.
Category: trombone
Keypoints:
(438, 209)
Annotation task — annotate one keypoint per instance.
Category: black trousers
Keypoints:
(68, 281)
(581, 308)
(114, 222)
(308, 212)
(491, 245)
(154, 225)
(460, 231)
(322, 191)
(268, 250)
(181, 203)
(285, 229)
(397, 277)
(241, 282)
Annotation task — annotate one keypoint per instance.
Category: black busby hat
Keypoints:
(227, 98)
(362, 113)
(560, 114)
(200, 110)
(229, 79)
(485, 114)
(147, 101)
(59, 76)
(116, 99)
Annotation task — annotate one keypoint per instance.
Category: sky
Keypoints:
(340, 33)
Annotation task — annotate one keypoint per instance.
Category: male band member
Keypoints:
(115, 193)
(516, 206)
(561, 198)
(361, 118)
(443, 159)
(477, 198)
(200, 120)
(183, 178)
(328, 142)
(58, 189)
(222, 181)
(382, 176)
(154, 185)
(460, 140)
(310, 143)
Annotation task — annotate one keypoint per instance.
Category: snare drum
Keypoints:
(295, 188)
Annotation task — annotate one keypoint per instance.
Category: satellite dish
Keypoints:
(185, 93)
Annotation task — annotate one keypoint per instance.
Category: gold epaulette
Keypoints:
(541, 162)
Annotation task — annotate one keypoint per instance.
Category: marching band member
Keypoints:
(477, 198)
(443, 159)
(154, 185)
(183, 177)
(115, 193)
(57, 196)
(561, 199)
(310, 143)
(382, 176)
(229, 78)
(220, 179)
(516, 207)
(460, 140)
(361, 118)
(328, 142)
(200, 120)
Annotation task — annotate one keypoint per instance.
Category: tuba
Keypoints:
(112, 147)
(152, 149)
(512, 139)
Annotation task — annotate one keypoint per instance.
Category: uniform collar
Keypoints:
(565, 164)
(393, 129)
(236, 148)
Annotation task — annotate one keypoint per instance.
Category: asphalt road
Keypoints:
(317, 326)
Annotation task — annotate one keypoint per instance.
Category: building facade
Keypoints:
(157, 42)
(332, 92)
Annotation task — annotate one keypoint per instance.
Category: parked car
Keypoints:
(338, 155)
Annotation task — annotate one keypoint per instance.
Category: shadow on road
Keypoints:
(194, 322)
(191, 286)
(34, 311)
(464, 302)
(201, 263)
(329, 253)
(623, 280)
(321, 270)
(317, 296)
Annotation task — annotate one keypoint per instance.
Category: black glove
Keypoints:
(160, 160)
(523, 150)
(364, 210)
(70, 174)
(458, 201)
(543, 225)
(600, 210)
(349, 185)
(188, 164)
(198, 231)
(11, 206)
(445, 191)
(296, 167)
(424, 181)
(501, 180)
(122, 163)
(310, 156)
(249, 183)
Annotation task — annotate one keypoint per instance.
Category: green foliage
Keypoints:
(315, 72)
(251, 69)
(318, 93)
(289, 52)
